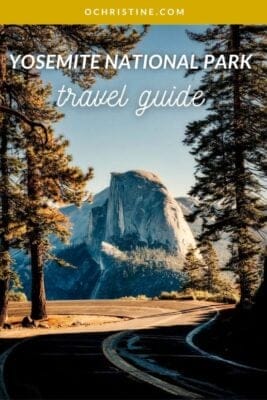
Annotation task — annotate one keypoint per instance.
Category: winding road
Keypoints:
(146, 355)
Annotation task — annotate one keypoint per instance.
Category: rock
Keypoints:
(141, 212)
(27, 322)
(44, 325)
(136, 210)
(88, 223)
(96, 228)
(7, 325)
(36, 323)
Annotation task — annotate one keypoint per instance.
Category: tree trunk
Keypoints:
(38, 299)
(4, 287)
(38, 310)
(245, 294)
(261, 295)
(4, 244)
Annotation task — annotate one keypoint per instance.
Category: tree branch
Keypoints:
(23, 117)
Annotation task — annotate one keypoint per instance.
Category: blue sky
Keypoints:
(114, 139)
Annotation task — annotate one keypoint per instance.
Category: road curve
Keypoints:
(73, 366)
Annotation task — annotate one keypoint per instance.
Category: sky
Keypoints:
(115, 139)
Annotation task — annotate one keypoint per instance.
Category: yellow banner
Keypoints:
(133, 12)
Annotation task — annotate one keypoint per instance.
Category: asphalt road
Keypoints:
(165, 353)
(69, 367)
(72, 365)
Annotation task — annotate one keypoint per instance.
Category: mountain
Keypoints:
(141, 212)
(142, 271)
(188, 205)
(136, 211)
(87, 221)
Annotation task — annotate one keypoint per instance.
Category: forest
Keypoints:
(228, 145)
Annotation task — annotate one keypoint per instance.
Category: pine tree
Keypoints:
(193, 269)
(45, 39)
(229, 147)
(65, 40)
(211, 280)
(261, 295)
(5, 258)
(12, 227)
(50, 180)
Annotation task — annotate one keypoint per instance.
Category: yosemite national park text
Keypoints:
(133, 61)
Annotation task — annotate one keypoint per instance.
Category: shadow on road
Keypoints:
(72, 366)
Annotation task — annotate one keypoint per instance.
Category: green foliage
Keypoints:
(140, 297)
(212, 279)
(17, 296)
(261, 295)
(60, 261)
(229, 147)
(229, 297)
(174, 295)
(35, 169)
(73, 39)
(143, 270)
(204, 280)
(50, 180)
(7, 272)
(193, 269)
(153, 258)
